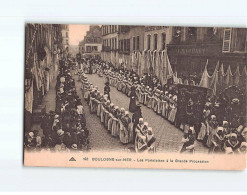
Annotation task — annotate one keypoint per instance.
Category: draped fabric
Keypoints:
(29, 99)
(221, 80)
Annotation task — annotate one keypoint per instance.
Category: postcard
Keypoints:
(125, 96)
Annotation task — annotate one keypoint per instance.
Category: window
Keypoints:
(95, 48)
(134, 43)
(115, 43)
(125, 45)
(88, 48)
(192, 34)
(67, 34)
(227, 40)
(163, 41)
(137, 43)
(155, 41)
(148, 42)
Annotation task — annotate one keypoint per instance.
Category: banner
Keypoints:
(191, 101)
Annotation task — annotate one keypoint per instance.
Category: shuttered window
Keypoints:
(227, 40)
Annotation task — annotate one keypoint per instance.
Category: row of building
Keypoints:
(188, 48)
(45, 44)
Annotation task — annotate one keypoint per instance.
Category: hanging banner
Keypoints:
(191, 102)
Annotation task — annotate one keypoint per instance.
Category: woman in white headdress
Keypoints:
(141, 138)
(106, 114)
(124, 133)
(173, 111)
(102, 110)
(163, 104)
(100, 101)
(110, 120)
(115, 123)
(243, 148)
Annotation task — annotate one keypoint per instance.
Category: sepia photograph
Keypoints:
(132, 90)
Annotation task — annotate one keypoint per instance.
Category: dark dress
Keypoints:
(132, 105)
(135, 119)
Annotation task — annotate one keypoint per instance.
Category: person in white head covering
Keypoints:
(124, 124)
(150, 139)
(218, 141)
(233, 142)
(211, 129)
(243, 148)
(188, 141)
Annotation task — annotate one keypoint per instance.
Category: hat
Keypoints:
(192, 128)
(60, 132)
(56, 116)
(225, 123)
(31, 134)
(145, 123)
(74, 146)
(126, 112)
(140, 119)
(243, 144)
(122, 109)
(150, 129)
(234, 135)
(111, 104)
(220, 129)
(116, 107)
(235, 100)
(213, 117)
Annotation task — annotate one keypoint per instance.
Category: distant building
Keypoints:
(65, 35)
(91, 45)
(81, 47)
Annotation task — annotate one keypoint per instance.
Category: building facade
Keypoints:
(157, 38)
(91, 45)
(192, 47)
(110, 45)
(131, 43)
(43, 49)
(65, 35)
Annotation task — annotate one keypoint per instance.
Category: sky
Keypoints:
(77, 33)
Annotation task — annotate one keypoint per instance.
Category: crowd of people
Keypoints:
(223, 129)
(117, 121)
(65, 128)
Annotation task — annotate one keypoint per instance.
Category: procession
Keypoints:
(141, 103)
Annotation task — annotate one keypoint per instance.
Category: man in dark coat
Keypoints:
(135, 118)
(107, 90)
(133, 96)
